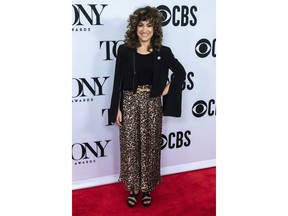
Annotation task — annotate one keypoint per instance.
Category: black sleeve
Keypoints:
(116, 92)
(172, 102)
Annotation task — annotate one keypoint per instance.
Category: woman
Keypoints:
(140, 81)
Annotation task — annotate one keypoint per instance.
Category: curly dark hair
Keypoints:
(151, 14)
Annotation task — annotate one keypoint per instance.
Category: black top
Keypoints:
(144, 68)
(126, 78)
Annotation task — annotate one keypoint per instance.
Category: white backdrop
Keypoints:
(98, 28)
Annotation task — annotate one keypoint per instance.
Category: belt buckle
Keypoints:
(143, 88)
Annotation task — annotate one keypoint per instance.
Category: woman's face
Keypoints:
(145, 31)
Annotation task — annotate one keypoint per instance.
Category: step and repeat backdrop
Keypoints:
(98, 28)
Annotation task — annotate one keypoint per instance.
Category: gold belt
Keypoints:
(143, 88)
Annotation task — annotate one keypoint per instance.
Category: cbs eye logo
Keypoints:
(200, 108)
(203, 48)
(177, 139)
(178, 15)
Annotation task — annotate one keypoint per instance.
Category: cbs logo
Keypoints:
(200, 108)
(178, 15)
(176, 140)
(203, 48)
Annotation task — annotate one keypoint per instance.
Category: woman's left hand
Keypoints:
(166, 90)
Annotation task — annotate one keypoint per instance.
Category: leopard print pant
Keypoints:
(140, 141)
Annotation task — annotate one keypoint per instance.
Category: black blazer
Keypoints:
(125, 78)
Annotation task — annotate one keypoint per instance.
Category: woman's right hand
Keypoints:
(119, 118)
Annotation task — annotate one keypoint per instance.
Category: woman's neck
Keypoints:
(143, 49)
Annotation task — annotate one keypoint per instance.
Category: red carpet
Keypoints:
(189, 193)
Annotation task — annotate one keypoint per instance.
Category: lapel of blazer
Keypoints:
(157, 70)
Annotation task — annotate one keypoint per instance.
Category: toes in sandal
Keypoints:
(132, 199)
(146, 198)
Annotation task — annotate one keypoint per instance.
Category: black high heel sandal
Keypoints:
(132, 199)
(146, 199)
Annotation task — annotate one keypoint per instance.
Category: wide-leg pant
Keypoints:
(140, 141)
